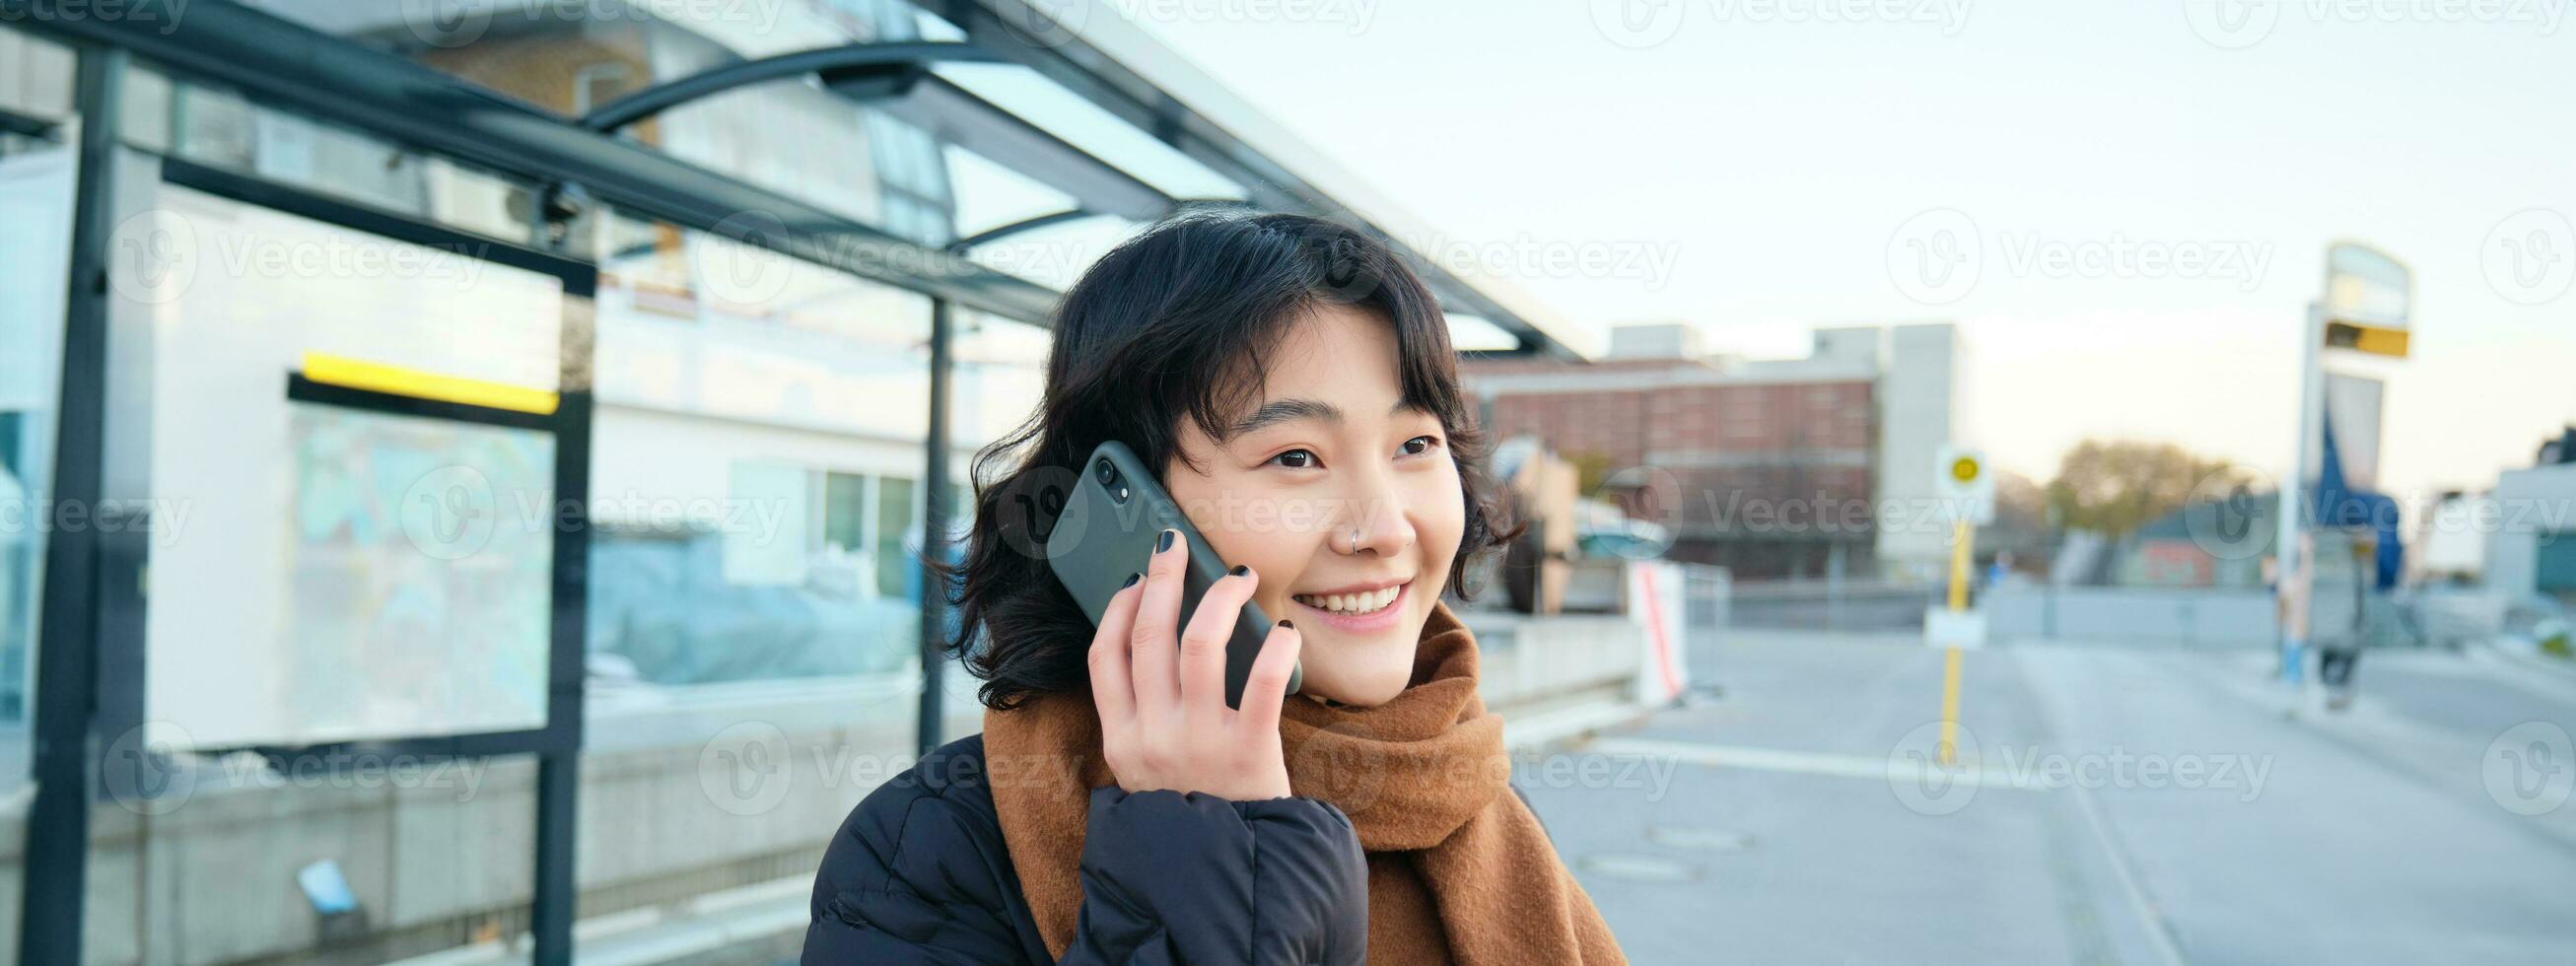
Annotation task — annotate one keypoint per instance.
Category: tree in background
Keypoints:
(2113, 487)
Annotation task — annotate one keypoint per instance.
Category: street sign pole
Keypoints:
(2366, 307)
(1967, 490)
(1962, 543)
(1962, 537)
(2290, 573)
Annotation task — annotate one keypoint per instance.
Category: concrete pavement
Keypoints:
(2114, 805)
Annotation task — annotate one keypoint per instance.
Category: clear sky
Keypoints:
(1776, 152)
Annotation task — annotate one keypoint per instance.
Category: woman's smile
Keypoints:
(1361, 613)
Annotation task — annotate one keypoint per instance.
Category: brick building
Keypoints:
(1776, 468)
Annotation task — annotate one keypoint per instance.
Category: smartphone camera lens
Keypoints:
(1109, 479)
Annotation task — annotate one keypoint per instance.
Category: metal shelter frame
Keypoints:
(277, 62)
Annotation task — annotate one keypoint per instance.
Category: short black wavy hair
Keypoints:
(1177, 322)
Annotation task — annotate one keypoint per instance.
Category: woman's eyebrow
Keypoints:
(1290, 410)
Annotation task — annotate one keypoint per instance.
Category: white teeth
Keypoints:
(1360, 603)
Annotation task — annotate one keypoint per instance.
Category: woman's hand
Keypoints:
(1160, 687)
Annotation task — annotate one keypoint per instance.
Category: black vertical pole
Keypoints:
(934, 533)
(550, 912)
(556, 895)
(57, 848)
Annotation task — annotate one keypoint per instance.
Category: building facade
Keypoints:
(1779, 469)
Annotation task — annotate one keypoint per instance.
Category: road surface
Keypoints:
(2114, 805)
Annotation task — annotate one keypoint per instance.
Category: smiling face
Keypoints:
(1330, 447)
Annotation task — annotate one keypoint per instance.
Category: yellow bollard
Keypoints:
(1962, 543)
(1960, 548)
(1949, 706)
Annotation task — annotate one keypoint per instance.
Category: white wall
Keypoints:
(1917, 413)
(2528, 503)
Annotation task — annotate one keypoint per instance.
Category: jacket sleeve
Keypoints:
(915, 876)
(1169, 877)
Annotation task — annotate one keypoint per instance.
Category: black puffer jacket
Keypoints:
(919, 874)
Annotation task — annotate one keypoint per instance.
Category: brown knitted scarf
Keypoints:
(1459, 870)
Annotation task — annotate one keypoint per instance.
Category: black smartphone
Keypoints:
(1107, 530)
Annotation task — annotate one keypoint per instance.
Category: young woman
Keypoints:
(1296, 384)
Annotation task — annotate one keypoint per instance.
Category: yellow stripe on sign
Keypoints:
(2376, 340)
(2386, 342)
(398, 381)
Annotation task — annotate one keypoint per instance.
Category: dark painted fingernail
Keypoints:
(1131, 580)
(1240, 570)
(1164, 542)
(1289, 624)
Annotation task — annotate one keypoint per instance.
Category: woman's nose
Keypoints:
(1376, 522)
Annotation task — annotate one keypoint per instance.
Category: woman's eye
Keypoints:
(1302, 459)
